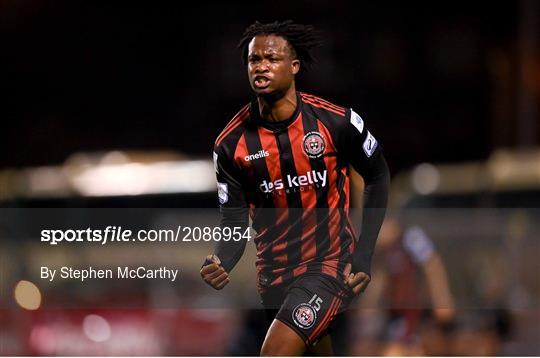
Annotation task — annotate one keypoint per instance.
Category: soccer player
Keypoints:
(284, 161)
(404, 252)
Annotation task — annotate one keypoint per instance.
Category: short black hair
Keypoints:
(301, 38)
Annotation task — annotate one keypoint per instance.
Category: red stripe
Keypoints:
(347, 192)
(235, 122)
(237, 115)
(346, 188)
(233, 125)
(349, 226)
(308, 197)
(269, 143)
(329, 140)
(352, 246)
(325, 318)
(312, 100)
(335, 310)
(323, 101)
(336, 302)
(323, 106)
(240, 152)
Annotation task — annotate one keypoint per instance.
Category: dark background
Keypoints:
(434, 83)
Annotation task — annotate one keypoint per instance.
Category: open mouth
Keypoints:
(261, 81)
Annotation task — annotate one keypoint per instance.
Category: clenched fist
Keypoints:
(213, 273)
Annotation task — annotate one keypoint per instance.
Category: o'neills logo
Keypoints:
(259, 154)
(298, 182)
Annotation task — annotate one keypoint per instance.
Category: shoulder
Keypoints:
(233, 130)
(324, 108)
(334, 117)
(337, 119)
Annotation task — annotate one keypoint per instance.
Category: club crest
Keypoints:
(314, 144)
(304, 316)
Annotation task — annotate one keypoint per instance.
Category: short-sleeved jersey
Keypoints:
(295, 182)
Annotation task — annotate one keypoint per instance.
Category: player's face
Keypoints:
(271, 67)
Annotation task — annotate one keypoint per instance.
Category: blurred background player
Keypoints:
(411, 298)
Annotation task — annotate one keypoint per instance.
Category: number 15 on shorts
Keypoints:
(315, 302)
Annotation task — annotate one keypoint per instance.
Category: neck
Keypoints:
(278, 108)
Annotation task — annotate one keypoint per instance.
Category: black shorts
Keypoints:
(309, 305)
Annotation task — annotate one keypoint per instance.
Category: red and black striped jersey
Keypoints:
(295, 181)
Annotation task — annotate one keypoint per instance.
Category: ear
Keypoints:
(295, 66)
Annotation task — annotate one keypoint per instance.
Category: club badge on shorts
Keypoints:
(304, 316)
(314, 144)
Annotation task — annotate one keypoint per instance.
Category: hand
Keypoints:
(213, 273)
(444, 315)
(356, 281)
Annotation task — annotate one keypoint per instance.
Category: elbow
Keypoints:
(379, 173)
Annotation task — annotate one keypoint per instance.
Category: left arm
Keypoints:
(377, 181)
(363, 152)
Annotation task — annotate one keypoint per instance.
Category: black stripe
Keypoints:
(265, 215)
(294, 202)
(322, 233)
(343, 236)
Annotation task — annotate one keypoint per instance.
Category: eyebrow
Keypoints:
(268, 53)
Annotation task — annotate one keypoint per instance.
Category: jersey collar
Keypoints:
(257, 120)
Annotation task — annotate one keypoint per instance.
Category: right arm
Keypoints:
(423, 252)
(234, 213)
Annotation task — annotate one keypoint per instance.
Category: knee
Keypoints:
(272, 350)
(282, 341)
(280, 349)
(265, 351)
